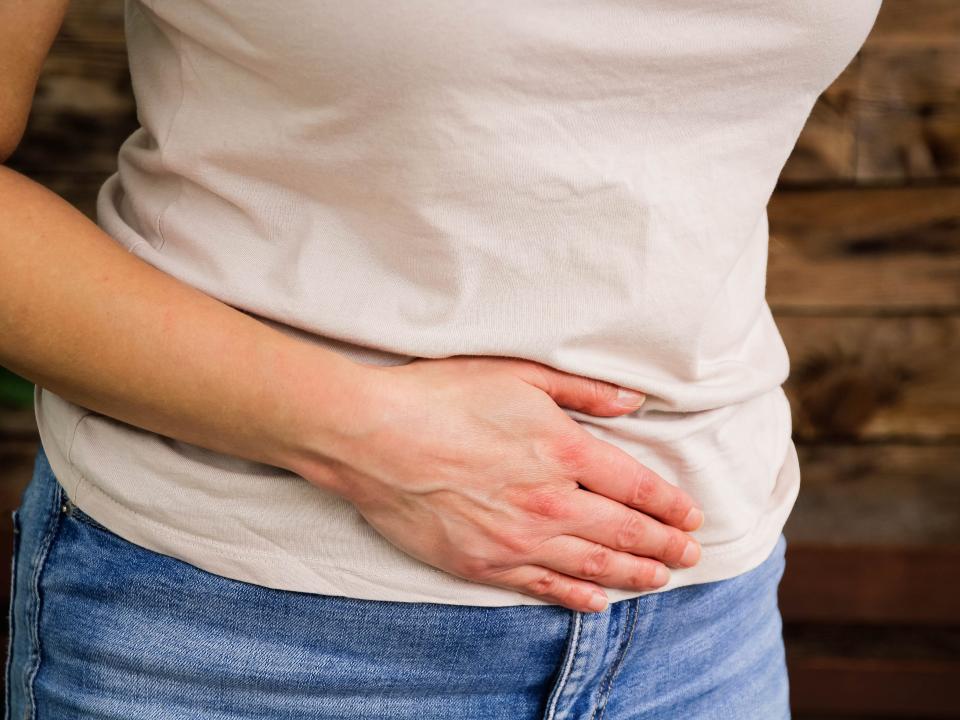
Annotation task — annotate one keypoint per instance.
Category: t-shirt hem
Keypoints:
(316, 575)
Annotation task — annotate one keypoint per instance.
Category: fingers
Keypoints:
(567, 570)
(599, 519)
(600, 564)
(609, 471)
(594, 397)
(551, 586)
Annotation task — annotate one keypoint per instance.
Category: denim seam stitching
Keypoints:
(80, 516)
(605, 682)
(35, 587)
(573, 650)
(616, 668)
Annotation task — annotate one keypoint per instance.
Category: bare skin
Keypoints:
(468, 463)
(473, 467)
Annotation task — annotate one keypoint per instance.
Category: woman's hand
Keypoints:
(474, 468)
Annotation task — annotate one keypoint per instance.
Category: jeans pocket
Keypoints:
(73, 512)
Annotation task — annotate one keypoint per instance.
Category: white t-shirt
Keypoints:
(580, 183)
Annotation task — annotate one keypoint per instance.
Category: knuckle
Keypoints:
(569, 450)
(643, 575)
(644, 489)
(674, 545)
(597, 562)
(631, 534)
(601, 392)
(545, 583)
(680, 506)
(545, 502)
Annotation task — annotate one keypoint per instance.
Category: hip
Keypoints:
(102, 627)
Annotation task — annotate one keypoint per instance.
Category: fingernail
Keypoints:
(690, 554)
(630, 398)
(598, 602)
(661, 575)
(694, 517)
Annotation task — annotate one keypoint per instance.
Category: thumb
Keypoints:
(576, 392)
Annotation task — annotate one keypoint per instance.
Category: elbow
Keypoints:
(10, 135)
(7, 146)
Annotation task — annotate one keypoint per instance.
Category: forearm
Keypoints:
(85, 318)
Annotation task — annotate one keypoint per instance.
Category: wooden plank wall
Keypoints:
(864, 281)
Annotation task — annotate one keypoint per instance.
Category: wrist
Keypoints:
(334, 405)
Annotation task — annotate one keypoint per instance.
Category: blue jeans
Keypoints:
(103, 628)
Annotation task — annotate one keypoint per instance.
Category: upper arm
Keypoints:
(27, 30)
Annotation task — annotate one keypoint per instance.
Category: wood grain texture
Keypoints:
(907, 25)
(84, 106)
(826, 150)
(874, 585)
(874, 378)
(866, 671)
(893, 115)
(864, 251)
(874, 688)
(905, 496)
(864, 282)
(908, 117)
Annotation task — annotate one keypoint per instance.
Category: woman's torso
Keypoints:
(583, 184)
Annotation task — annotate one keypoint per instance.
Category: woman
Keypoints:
(418, 364)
